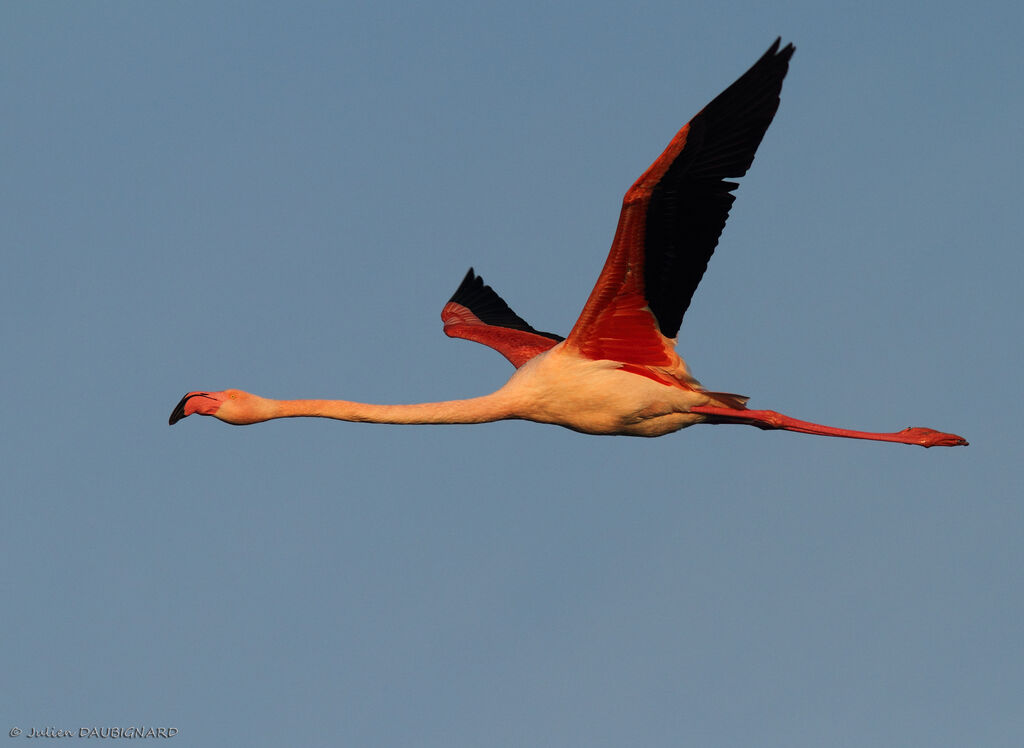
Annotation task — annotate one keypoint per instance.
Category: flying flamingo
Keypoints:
(618, 371)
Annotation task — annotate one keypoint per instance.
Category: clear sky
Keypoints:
(281, 197)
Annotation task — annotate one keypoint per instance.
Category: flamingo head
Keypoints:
(231, 406)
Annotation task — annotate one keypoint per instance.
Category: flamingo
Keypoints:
(617, 372)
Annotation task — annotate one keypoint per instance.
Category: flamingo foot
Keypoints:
(932, 438)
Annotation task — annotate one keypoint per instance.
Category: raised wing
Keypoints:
(671, 219)
(476, 312)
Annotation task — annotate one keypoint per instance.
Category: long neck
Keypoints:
(484, 409)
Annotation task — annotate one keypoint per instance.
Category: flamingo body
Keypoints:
(599, 396)
(618, 371)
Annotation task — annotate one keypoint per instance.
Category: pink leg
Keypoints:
(769, 419)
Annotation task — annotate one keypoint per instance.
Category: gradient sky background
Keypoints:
(281, 196)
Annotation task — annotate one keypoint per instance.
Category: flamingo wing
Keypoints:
(476, 312)
(671, 220)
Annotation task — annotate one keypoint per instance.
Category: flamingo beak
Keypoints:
(185, 408)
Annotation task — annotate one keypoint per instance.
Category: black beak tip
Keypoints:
(179, 411)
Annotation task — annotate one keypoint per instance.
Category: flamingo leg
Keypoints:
(769, 419)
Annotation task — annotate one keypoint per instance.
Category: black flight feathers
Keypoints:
(689, 206)
(491, 308)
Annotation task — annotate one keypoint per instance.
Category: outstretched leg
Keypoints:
(769, 419)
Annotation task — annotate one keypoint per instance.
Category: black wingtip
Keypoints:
(490, 308)
(788, 50)
(689, 206)
(470, 280)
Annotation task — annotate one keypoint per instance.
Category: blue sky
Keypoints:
(281, 197)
